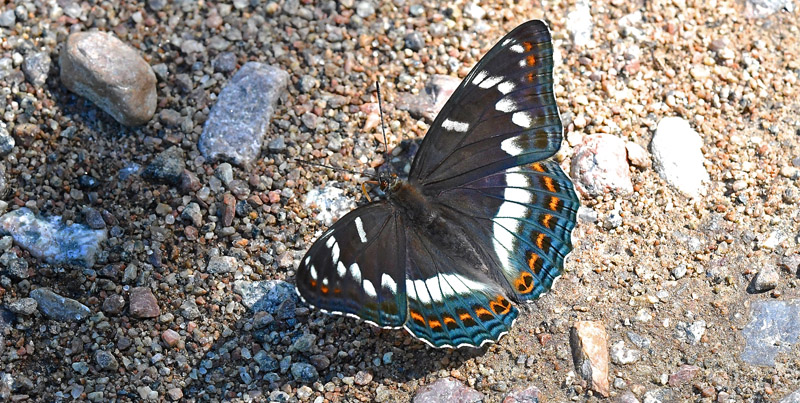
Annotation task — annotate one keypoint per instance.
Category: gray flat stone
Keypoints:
(773, 328)
(238, 122)
(59, 308)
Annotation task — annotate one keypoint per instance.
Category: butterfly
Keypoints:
(482, 224)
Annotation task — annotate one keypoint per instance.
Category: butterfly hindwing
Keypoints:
(528, 213)
(450, 303)
(356, 267)
(503, 114)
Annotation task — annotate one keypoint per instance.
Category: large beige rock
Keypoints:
(111, 74)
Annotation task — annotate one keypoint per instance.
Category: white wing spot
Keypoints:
(369, 288)
(436, 289)
(523, 63)
(388, 282)
(335, 252)
(506, 86)
(490, 82)
(506, 42)
(517, 48)
(479, 77)
(325, 281)
(521, 119)
(329, 243)
(341, 270)
(505, 225)
(355, 271)
(360, 228)
(456, 126)
(307, 260)
(510, 147)
(505, 105)
(312, 271)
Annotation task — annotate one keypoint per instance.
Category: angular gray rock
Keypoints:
(774, 328)
(36, 68)
(238, 122)
(113, 75)
(59, 308)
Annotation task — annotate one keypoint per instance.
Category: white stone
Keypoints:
(678, 158)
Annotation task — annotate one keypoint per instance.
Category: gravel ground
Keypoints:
(690, 281)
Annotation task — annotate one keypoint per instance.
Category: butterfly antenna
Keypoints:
(314, 164)
(383, 127)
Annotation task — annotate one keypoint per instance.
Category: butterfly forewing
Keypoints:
(503, 114)
(357, 267)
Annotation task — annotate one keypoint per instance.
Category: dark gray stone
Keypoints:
(167, 167)
(59, 308)
(239, 120)
(106, 361)
(414, 41)
(304, 373)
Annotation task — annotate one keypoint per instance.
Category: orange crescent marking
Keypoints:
(324, 289)
(464, 316)
(502, 303)
(548, 183)
(528, 46)
(313, 283)
(524, 286)
(553, 205)
(448, 320)
(547, 221)
(531, 60)
(540, 240)
(434, 324)
(482, 311)
(417, 317)
(537, 166)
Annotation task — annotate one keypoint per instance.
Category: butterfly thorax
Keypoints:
(408, 197)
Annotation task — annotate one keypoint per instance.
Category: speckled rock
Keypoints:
(766, 279)
(166, 167)
(36, 68)
(23, 306)
(523, 395)
(52, 241)
(111, 74)
(793, 397)
(599, 166)
(106, 361)
(774, 328)
(678, 158)
(222, 264)
(589, 343)
(684, 374)
(265, 295)
(239, 120)
(59, 308)
(447, 390)
(765, 8)
(7, 142)
(331, 203)
(304, 373)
